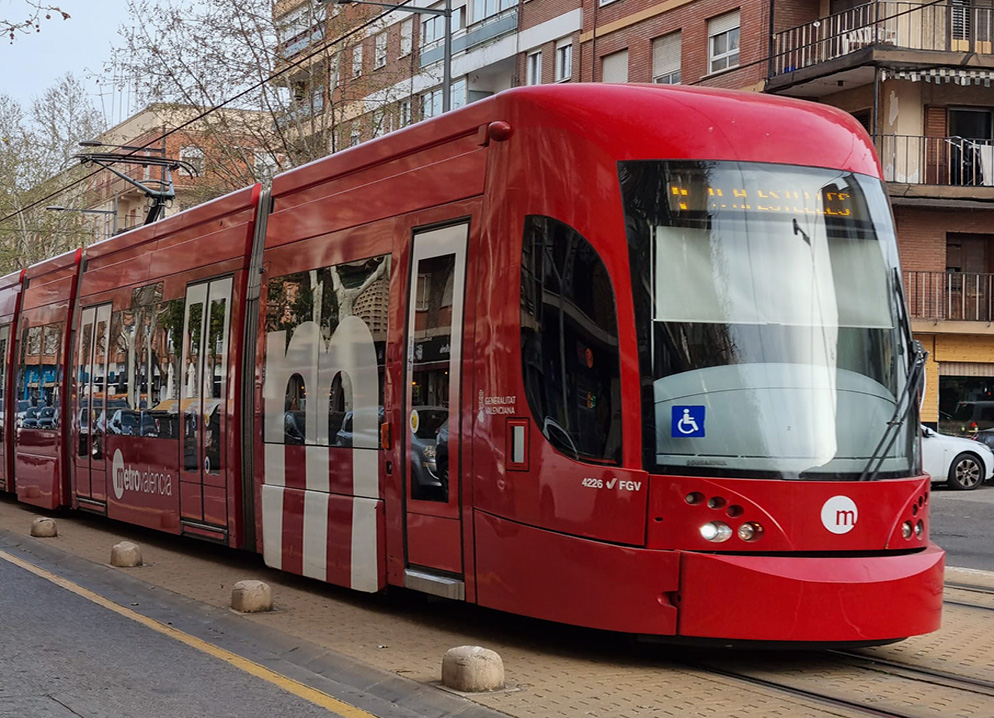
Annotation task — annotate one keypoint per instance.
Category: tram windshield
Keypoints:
(771, 340)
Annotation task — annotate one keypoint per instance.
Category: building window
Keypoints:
(533, 68)
(265, 165)
(336, 62)
(723, 42)
(614, 67)
(380, 59)
(666, 59)
(406, 37)
(382, 122)
(194, 157)
(404, 113)
(482, 9)
(564, 60)
(357, 61)
(433, 26)
(355, 135)
(431, 101)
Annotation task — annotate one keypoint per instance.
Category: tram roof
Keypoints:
(208, 211)
(632, 121)
(53, 264)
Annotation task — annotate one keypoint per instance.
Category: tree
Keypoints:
(36, 149)
(202, 53)
(32, 19)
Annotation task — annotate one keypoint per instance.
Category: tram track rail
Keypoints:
(824, 699)
(907, 670)
(969, 588)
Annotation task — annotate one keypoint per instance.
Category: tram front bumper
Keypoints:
(810, 599)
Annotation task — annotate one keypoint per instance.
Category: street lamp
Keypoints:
(447, 39)
(60, 208)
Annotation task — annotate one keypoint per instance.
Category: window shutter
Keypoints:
(614, 67)
(666, 54)
(723, 23)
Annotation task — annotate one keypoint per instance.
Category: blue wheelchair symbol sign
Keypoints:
(687, 422)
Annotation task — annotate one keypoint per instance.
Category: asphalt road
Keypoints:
(963, 524)
(62, 656)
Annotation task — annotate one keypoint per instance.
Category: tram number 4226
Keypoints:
(620, 484)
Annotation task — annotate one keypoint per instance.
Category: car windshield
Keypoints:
(767, 315)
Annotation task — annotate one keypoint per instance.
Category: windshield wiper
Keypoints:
(912, 388)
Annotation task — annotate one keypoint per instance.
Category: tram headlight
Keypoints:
(750, 531)
(716, 531)
(920, 529)
(907, 530)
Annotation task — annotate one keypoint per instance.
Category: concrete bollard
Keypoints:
(251, 597)
(472, 669)
(43, 527)
(126, 555)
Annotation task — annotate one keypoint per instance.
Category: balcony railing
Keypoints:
(910, 25)
(951, 161)
(952, 296)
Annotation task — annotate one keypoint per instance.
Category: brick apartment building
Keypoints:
(916, 74)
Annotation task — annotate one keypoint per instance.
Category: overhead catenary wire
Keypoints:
(219, 106)
(323, 48)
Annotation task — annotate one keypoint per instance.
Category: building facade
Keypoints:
(916, 74)
(222, 155)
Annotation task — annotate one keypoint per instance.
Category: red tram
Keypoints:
(626, 357)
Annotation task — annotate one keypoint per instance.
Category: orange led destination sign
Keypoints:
(825, 203)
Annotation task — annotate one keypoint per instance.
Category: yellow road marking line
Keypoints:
(309, 694)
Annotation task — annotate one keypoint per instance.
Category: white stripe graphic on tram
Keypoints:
(272, 525)
(316, 458)
(365, 574)
(275, 465)
(316, 534)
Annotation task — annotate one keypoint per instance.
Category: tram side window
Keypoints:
(322, 298)
(569, 342)
(39, 375)
(164, 357)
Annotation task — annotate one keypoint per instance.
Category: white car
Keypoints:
(964, 464)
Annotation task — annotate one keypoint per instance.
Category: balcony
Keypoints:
(886, 26)
(485, 31)
(950, 296)
(945, 161)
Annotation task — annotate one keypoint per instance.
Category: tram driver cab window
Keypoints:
(569, 342)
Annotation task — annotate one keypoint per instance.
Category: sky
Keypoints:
(82, 44)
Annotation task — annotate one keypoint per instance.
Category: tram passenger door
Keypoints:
(5, 483)
(432, 434)
(204, 408)
(90, 414)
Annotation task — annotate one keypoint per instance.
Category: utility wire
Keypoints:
(291, 66)
(329, 45)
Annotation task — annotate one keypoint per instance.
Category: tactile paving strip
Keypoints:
(561, 671)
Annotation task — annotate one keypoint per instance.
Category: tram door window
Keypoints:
(206, 325)
(436, 298)
(90, 410)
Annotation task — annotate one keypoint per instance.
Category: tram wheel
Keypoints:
(966, 472)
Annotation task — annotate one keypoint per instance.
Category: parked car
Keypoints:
(969, 417)
(127, 422)
(964, 464)
(984, 436)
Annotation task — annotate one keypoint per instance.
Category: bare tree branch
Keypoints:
(32, 19)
